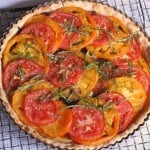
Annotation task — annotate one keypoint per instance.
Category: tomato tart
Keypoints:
(76, 74)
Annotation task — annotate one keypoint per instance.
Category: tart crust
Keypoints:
(100, 9)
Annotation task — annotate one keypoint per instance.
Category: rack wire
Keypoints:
(12, 138)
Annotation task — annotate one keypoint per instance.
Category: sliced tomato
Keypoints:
(87, 82)
(130, 88)
(42, 31)
(69, 23)
(25, 46)
(118, 24)
(66, 71)
(46, 29)
(124, 68)
(87, 124)
(19, 95)
(133, 53)
(112, 132)
(19, 71)
(87, 30)
(61, 126)
(122, 105)
(39, 108)
(105, 27)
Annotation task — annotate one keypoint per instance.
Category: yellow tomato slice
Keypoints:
(28, 47)
(131, 88)
(87, 82)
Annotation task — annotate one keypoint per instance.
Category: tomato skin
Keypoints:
(102, 22)
(62, 18)
(122, 105)
(87, 124)
(66, 71)
(43, 31)
(29, 68)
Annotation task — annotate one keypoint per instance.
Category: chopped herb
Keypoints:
(44, 97)
(107, 106)
(37, 77)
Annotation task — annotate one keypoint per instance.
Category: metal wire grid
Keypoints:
(12, 138)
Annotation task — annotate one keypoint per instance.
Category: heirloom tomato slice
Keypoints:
(131, 89)
(128, 68)
(46, 29)
(122, 105)
(39, 108)
(19, 95)
(28, 47)
(87, 30)
(87, 124)
(87, 82)
(61, 126)
(65, 70)
(111, 131)
(18, 71)
(70, 24)
(106, 30)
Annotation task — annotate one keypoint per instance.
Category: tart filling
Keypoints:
(76, 77)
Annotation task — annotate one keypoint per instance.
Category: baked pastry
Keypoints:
(76, 74)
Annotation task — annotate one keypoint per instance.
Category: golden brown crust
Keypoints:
(90, 6)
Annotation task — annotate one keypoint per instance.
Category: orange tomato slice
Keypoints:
(61, 126)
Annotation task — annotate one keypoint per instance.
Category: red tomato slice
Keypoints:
(38, 107)
(68, 21)
(103, 23)
(66, 71)
(87, 124)
(43, 31)
(122, 105)
(19, 71)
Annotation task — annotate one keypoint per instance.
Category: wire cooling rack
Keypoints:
(12, 138)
